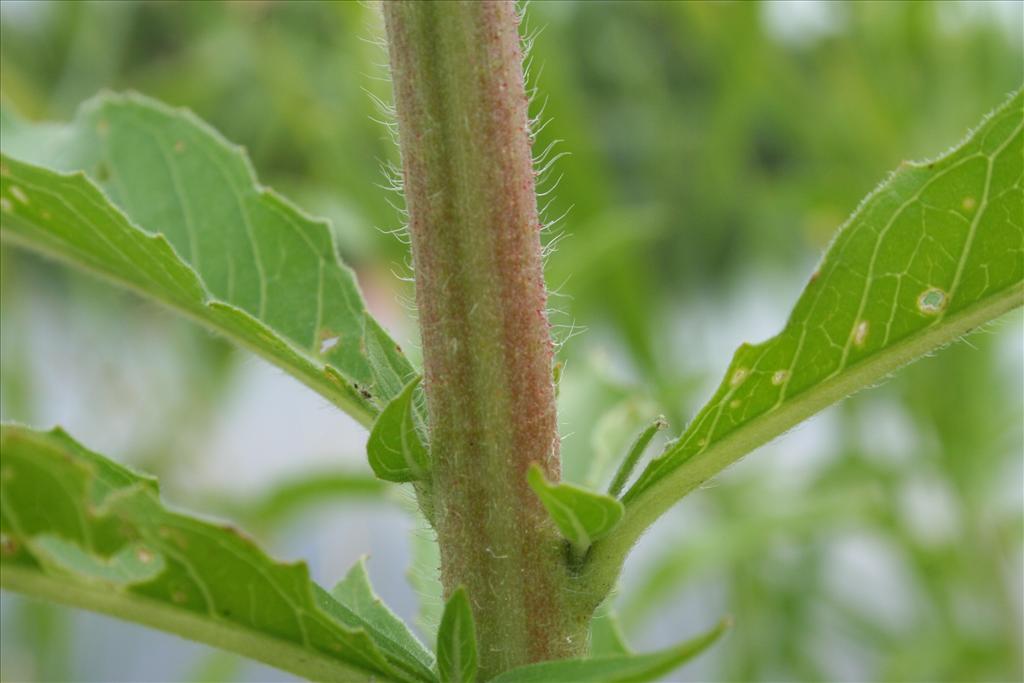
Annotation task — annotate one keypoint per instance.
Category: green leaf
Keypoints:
(628, 668)
(155, 200)
(456, 641)
(356, 593)
(81, 530)
(395, 448)
(582, 516)
(606, 637)
(936, 251)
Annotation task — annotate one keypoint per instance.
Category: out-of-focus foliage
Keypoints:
(714, 149)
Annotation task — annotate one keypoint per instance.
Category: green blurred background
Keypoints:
(713, 149)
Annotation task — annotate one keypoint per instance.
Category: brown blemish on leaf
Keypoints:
(240, 535)
(8, 544)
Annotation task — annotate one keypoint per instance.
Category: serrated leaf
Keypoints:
(456, 641)
(934, 252)
(157, 201)
(629, 668)
(356, 593)
(582, 516)
(81, 530)
(395, 448)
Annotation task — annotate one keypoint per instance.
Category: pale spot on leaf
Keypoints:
(860, 333)
(738, 376)
(932, 301)
(5, 205)
(8, 546)
(969, 203)
(19, 194)
(328, 344)
(779, 376)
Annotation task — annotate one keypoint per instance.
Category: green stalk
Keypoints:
(469, 186)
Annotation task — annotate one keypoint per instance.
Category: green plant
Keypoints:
(152, 199)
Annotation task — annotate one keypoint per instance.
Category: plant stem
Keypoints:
(469, 188)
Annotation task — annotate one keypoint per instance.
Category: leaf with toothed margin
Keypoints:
(936, 251)
(582, 516)
(81, 530)
(395, 448)
(356, 593)
(456, 641)
(621, 668)
(157, 201)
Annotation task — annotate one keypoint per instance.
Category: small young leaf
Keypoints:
(456, 641)
(356, 593)
(582, 516)
(104, 541)
(934, 252)
(157, 201)
(395, 448)
(626, 668)
(633, 455)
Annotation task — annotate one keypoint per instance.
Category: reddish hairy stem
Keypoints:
(469, 187)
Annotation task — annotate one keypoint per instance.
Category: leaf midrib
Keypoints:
(308, 663)
(648, 504)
